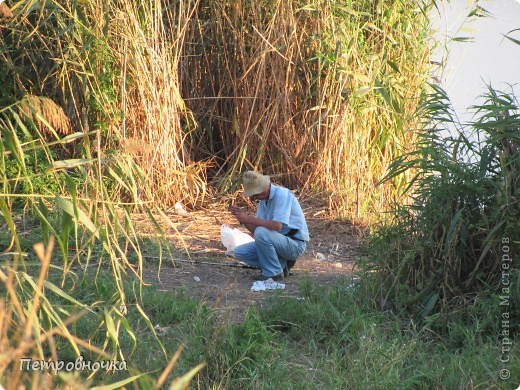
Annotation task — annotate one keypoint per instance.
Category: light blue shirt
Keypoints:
(282, 206)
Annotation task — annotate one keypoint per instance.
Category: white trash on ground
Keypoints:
(159, 330)
(231, 238)
(320, 256)
(179, 210)
(269, 284)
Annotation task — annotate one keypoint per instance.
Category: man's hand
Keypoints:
(251, 222)
(234, 209)
(239, 214)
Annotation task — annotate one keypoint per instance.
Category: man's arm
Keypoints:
(250, 227)
(251, 223)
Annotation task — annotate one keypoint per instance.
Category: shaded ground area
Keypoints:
(224, 284)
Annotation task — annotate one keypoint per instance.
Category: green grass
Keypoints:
(327, 338)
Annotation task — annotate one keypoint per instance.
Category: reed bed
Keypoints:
(320, 95)
(69, 166)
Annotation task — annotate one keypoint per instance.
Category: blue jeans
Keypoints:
(270, 251)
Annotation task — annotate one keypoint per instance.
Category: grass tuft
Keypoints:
(457, 238)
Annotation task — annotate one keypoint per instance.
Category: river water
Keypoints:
(489, 58)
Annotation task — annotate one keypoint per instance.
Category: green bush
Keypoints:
(448, 245)
(25, 170)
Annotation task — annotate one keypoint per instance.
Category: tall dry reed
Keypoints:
(63, 75)
(146, 39)
(319, 94)
(114, 71)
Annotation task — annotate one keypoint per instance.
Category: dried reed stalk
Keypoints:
(5, 12)
(156, 120)
(46, 114)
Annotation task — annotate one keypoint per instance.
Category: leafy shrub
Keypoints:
(24, 167)
(449, 244)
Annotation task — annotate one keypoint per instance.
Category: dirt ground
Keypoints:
(225, 284)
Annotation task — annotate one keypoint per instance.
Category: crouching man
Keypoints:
(279, 228)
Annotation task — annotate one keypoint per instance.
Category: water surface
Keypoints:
(489, 58)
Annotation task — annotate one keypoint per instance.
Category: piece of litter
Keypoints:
(320, 256)
(179, 210)
(196, 278)
(161, 330)
(352, 286)
(269, 284)
(231, 238)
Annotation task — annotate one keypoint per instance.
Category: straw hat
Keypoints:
(254, 183)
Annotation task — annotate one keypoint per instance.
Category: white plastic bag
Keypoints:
(231, 238)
